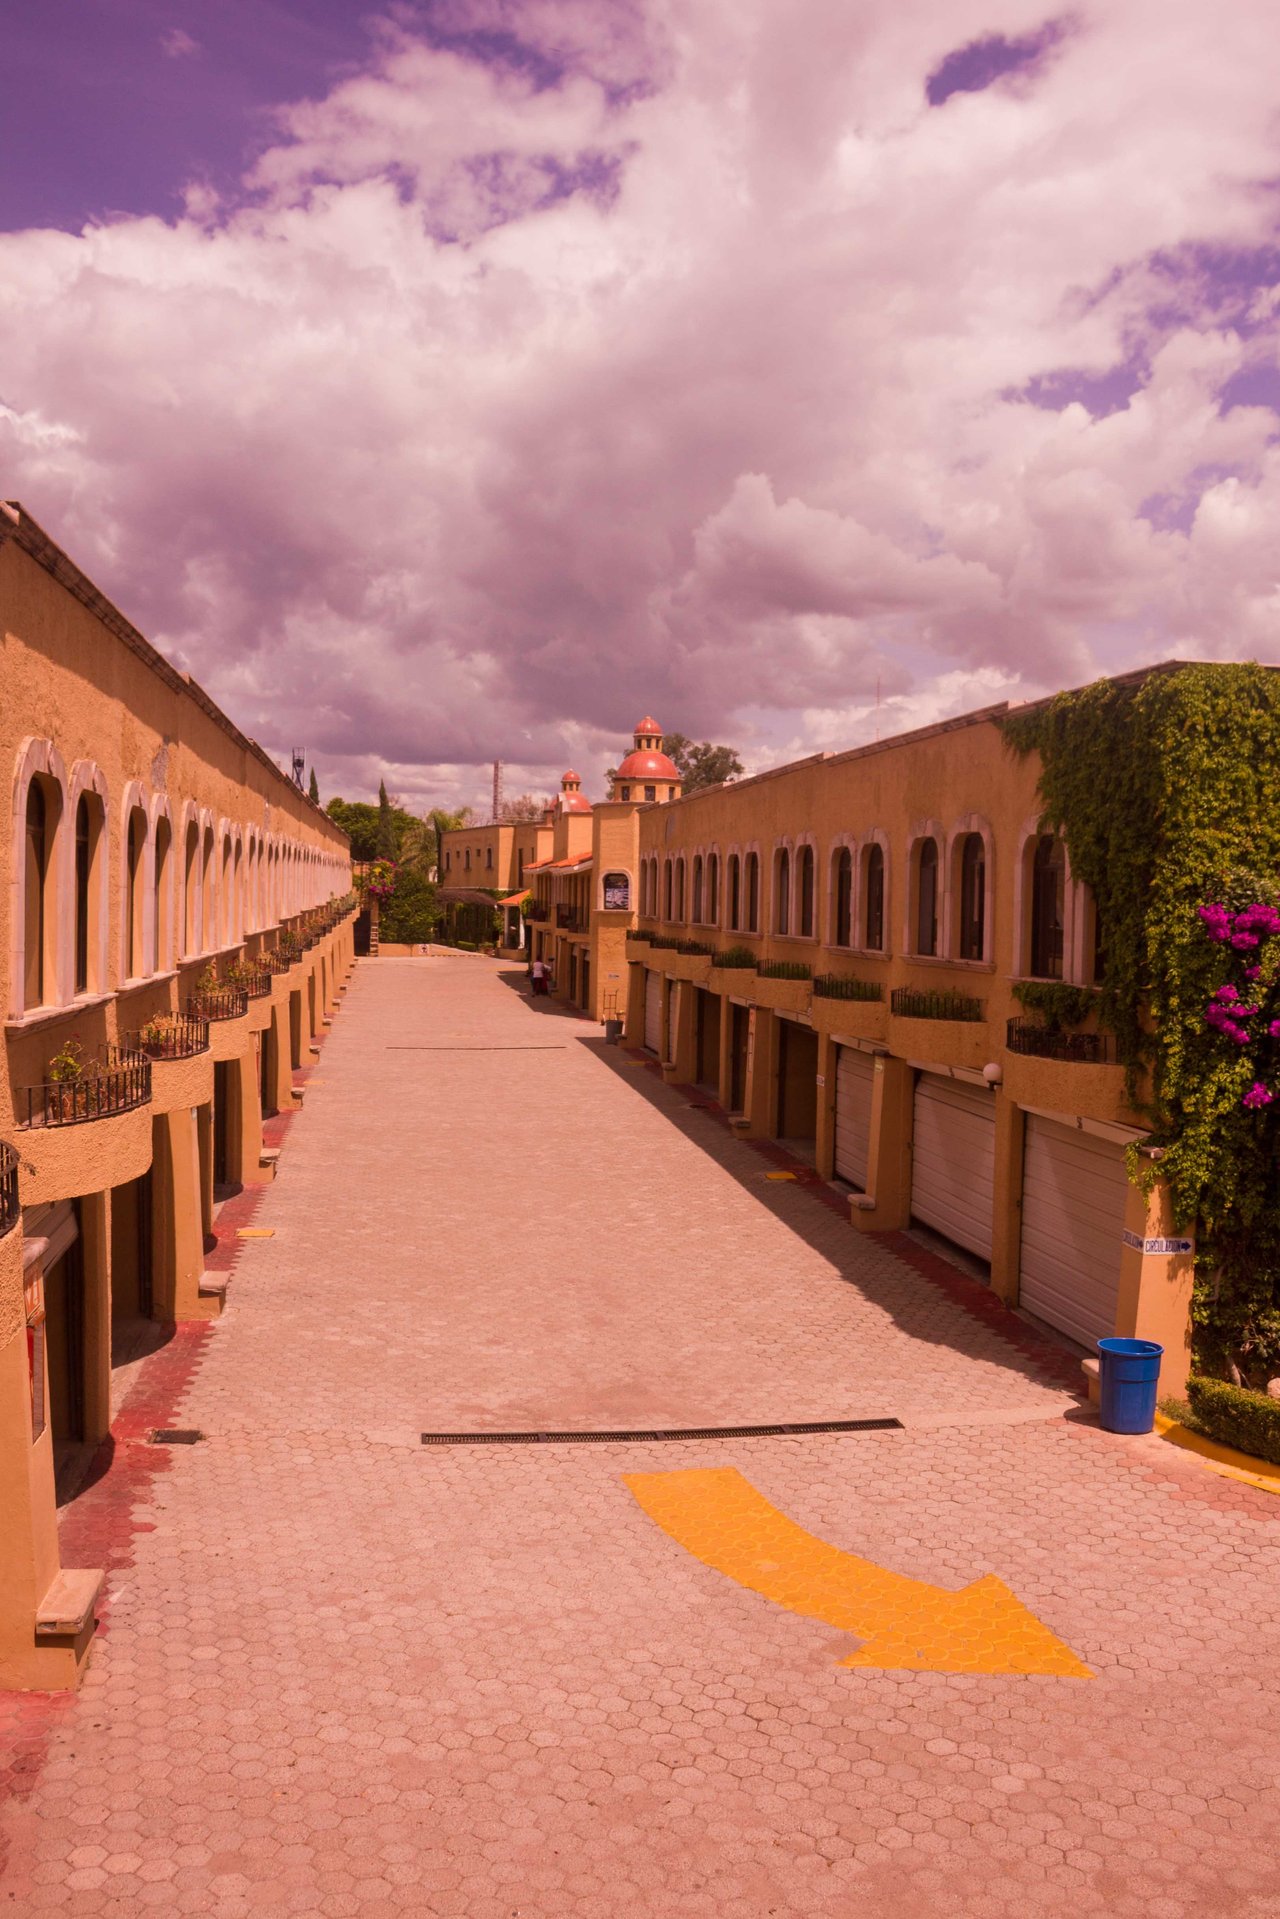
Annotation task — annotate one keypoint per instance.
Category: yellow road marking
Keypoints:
(255, 1232)
(1224, 1460)
(905, 1624)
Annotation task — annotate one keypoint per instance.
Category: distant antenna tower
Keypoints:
(497, 789)
(299, 766)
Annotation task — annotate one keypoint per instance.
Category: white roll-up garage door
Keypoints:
(855, 1077)
(652, 1009)
(953, 1160)
(1074, 1188)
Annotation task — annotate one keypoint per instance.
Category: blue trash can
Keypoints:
(1129, 1374)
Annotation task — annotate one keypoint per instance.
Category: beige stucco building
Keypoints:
(177, 927)
(880, 906)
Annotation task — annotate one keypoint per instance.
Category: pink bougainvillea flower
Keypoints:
(1256, 1096)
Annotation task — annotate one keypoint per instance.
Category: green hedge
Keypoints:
(1234, 1416)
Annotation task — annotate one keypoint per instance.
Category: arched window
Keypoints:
(134, 897)
(973, 897)
(805, 863)
(35, 881)
(85, 837)
(753, 893)
(191, 892)
(668, 895)
(208, 882)
(927, 897)
(1048, 892)
(734, 877)
(679, 912)
(843, 877)
(697, 889)
(160, 932)
(782, 891)
(713, 889)
(227, 916)
(873, 901)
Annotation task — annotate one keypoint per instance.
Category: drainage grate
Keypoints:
(672, 1432)
(560, 1047)
(176, 1436)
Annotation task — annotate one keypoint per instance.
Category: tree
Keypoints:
(411, 914)
(388, 834)
(523, 808)
(314, 788)
(700, 763)
(359, 819)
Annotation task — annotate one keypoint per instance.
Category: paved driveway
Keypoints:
(344, 1673)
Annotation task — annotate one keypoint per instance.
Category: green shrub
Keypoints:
(466, 946)
(785, 969)
(737, 956)
(1234, 1416)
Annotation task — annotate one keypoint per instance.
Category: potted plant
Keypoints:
(66, 1072)
(156, 1035)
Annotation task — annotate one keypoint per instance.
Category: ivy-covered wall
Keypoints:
(1167, 792)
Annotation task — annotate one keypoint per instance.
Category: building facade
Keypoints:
(831, 950)
(178, 927)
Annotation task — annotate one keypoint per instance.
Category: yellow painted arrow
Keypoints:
(904, 1624)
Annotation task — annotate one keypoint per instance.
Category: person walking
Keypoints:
(539, 979)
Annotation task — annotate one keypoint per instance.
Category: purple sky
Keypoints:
(471, 377)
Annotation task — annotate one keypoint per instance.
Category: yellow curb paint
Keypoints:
(255, 1232)
(1223, 1460)
(905, 1624)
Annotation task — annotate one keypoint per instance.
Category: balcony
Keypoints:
(175, 1036)
(1031, 1037)
(218, 1003)
(537, 910)
(116, 1082)
(907, 1002)
(569, 921)
(10, 1210)
(838, 986)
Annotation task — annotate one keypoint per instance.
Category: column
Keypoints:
(1006, 1203)
(886, 1204)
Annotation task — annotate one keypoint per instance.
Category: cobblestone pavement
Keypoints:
(345, 1674)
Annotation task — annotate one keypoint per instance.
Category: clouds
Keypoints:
(572, 359)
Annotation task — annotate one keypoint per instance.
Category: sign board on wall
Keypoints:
(617, 892)
(1159, 1248)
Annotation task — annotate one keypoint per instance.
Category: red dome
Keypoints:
(574, 803)
(648, 766)
(649, 726)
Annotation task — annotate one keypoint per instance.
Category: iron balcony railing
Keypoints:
(908, 1003)
(695, 949)
(275, 962)
(537, 910)
(218, 1002)
(256, 980)
(837, 986)
(785, 969)
(10, 1211)
(116, 1082)
(1050, 1042)
(179, 1036)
